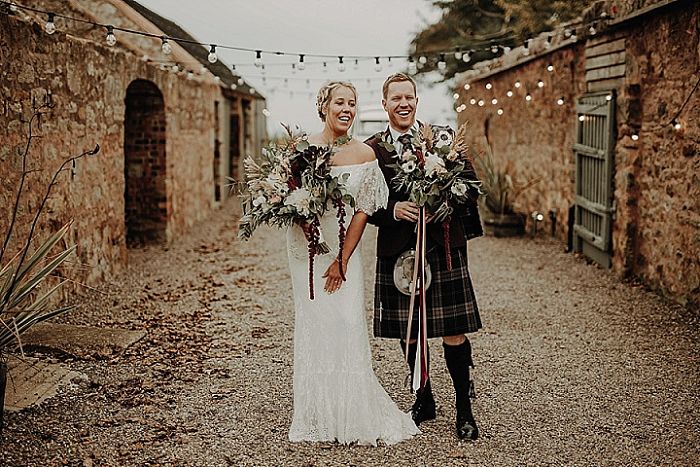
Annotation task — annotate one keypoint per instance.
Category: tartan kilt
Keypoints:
(450, 299)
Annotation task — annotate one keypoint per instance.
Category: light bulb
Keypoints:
(548, 44)
(301, 66)
(111, 38)
(441, 63)
(550, 68)
(266, 112)
(341, 65)
(540, 84)
(472, 101)
(481, 102)
(377, 65)
(356, 66)
(467, 57)
(581, 118)
(175, 68)
(499, 111)
(325, 67)
(165, 47)
(294, 68)
(234, 86)
(190, 75)
(489, 85)
(527, 47)
(506, 49)
(212, 54)
(412, 68)
(50, 27)
(258, 58)
(422, 59)
(494, 49)
(455, 96)
(388, 62)
(676, 125)
(240, 81)
(528, 97)
(560, 101)
(467, 87)
(494, 101)
(635, 137)
(592, 31)
(509, 93)
(608, 97)
(567, 33)
(458, 55)
(517, 84)
(252, 90)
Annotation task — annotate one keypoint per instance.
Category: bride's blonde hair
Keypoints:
(324, 95)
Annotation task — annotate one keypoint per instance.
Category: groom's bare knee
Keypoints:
(454, 340)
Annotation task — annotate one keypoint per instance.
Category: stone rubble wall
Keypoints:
(87, 82)
(656, 232)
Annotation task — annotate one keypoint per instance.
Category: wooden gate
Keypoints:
(594, 153)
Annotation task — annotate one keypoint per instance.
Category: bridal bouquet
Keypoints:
(291, 183)
(437, 174)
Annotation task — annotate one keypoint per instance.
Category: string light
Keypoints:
(592, 31)
(489, 85)
(111, 38)
(509, 93)
(499, 111)
(190, 75)
(582, 118)
(422, 59)
(527, 47)
(50, 27)
(467, 87)
(676, 125)
(212, 54)
(540, 84)
(301, 64)
(325, 67)
(175, 68)
(481, 102)
(548, 44)
(357, 65)
(550, 68)
(528, 97)
(472, 101)
(252, 90)
(517, 84)
(377, 65)
(635, 137)
(341, 65)
(388, 62)
(240, 81)
(165, 46)
(560, 101)
(494, 101)
(494, 47)
(608, 97)
(467, 57)
(258, 58)
(455, 96)
(458, 54)
(412, 68)
(234, 86)
(441, 63)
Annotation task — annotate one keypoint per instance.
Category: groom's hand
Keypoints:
(406, 211)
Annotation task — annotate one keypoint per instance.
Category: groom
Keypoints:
(451, 305)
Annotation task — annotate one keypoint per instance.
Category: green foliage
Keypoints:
(498, 183)
(474, 24)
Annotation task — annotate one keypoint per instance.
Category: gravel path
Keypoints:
(573, 367)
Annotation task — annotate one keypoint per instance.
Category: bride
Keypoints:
(337, 396)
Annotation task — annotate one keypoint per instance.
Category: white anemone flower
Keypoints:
(408, 167)
(444, 138)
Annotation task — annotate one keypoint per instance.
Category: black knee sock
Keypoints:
(458, 359)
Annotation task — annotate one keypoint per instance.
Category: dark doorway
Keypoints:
(145, 199)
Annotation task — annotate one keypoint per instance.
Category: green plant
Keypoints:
(498, 183)
(24, 289)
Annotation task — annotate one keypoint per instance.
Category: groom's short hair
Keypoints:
(397, 78)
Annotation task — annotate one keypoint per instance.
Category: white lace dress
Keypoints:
(337, 396)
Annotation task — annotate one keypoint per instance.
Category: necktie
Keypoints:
(405, 141)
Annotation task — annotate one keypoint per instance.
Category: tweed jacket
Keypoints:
(395, 237)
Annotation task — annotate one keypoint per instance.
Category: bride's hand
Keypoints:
(333, 277)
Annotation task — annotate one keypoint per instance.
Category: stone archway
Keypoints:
(145, 199)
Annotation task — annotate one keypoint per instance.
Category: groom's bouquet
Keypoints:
(291, 183)
(436, 172)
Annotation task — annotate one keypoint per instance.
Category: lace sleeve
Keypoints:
(373, 193)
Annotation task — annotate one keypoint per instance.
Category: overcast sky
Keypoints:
(333, 27)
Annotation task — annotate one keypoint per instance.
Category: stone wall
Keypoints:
(657, 183)
(656, 231)
(87, 82)
(534, 136)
